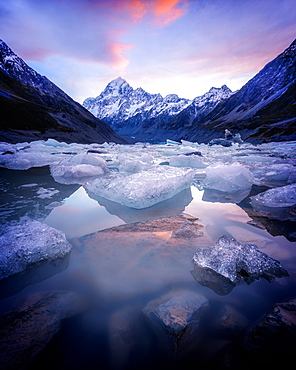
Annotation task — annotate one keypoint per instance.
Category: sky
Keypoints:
(182, 47)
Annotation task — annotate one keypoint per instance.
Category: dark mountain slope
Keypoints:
(34, 108)
(262, 110)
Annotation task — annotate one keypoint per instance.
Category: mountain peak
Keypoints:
(116, 87)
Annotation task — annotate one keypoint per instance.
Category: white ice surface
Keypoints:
(228, 178)
(143, 189)
(28, 243)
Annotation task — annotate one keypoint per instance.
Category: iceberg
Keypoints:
(184, 160)
(224, 265)
(143, 189)
(274, 175)
(28, 243)
(23, 160)
(277, 203)
(79, 168)
(133, 166)
(227, 182)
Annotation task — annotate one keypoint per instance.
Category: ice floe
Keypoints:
(79, 168)
(224, 265)
(143, 189)
(277, 203)
(28, 243)
(227, 182)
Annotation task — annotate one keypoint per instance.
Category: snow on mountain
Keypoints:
(119, 102)
(200, 106)
(131, 112)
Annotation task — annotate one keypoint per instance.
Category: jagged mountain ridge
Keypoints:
(33, 107)
(136, 112)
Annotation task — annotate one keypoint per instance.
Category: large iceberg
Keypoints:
(29, 243)
(143, 189)
(277, 203)
(224, 265)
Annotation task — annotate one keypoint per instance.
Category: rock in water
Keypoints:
(29, 243)
(30, 325)
(175, 318)
(225, 264)
(273, 339)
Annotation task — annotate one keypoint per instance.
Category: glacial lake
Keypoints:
(110, 330)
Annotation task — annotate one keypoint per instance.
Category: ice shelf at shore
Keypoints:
(143, 189)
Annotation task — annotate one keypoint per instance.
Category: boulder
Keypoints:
(27, 328)
(175, 318)
(273, 339)
(144, 256)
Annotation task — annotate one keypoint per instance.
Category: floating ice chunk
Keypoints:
(274, 174)
(24, 160)
(79, 168)
(53, 142)
(228, 262)
(183, 160)
(133, 166)
(28, 243)
(172, 142)
(278, 203)
(77, 174)
(46, 193)
(143, 189)
(89, 158)
(233, 180)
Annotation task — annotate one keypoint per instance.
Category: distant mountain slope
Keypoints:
(136, 112)
(263, 109)
(200, 107)
(33, 108)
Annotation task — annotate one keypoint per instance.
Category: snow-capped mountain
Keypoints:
(119, 102)
(136, 112)
(200, 106)
(32, 107)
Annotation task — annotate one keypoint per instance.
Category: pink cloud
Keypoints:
(167, 11)
(117, 49)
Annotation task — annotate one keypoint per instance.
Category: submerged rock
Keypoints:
(273, 339)
(143, 256)
(29, 243)
(175, 318)
(125, 337)
(27, 328)
(224, 265)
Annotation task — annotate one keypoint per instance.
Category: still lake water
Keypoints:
(90, 339)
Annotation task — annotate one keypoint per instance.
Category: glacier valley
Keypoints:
(148, 255)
